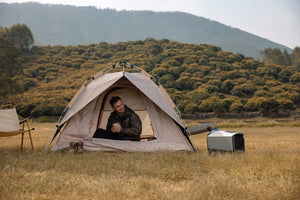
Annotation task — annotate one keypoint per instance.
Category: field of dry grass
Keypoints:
(269, 169)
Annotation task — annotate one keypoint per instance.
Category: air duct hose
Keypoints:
(202, 128)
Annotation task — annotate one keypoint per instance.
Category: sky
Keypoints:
(276, 20)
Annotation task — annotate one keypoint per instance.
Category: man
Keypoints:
(123, 123)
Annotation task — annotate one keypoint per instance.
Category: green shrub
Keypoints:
(236, 107)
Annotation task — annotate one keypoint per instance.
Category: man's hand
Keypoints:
(116, 128)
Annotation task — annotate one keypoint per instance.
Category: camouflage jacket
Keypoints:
(130, 122)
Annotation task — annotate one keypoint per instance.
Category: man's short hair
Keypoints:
(114, 100)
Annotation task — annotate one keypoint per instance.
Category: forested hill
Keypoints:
(70, 25)
(199, 78)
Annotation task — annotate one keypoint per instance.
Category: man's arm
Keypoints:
(109, 124)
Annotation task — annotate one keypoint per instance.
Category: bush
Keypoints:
(191, 108)
(236, 107)
(262, 93)
(269, 105)
(222, 105)
(209, 105)
(185, 83)
(25, 110)
(262, 104)
(286, 104)
(167, 81)
(198, 94)
(212, 88)
(237, 91)
(294, 79)
(107, 55)
(291, 95)
(227, 86)
(159, 72)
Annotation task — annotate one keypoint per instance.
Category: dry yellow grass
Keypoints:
(269, 169)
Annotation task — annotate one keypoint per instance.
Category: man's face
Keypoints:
(119, 107)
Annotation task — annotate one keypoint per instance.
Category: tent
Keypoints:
(89, 110)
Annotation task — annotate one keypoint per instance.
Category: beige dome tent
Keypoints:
(89, 110)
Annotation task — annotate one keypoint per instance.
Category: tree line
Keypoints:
(13, 41)
(278, 57)
(198, 77)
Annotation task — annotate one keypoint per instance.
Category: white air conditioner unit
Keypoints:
(218, 140)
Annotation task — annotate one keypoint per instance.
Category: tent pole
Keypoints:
(186, 128)
(51, 138)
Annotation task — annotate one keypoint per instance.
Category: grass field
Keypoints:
(269, 169)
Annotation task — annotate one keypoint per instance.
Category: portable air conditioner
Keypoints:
(218, 140)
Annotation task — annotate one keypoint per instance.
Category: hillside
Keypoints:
(199, 78)
(70, 25)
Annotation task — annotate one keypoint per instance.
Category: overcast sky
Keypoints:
(276, 20)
